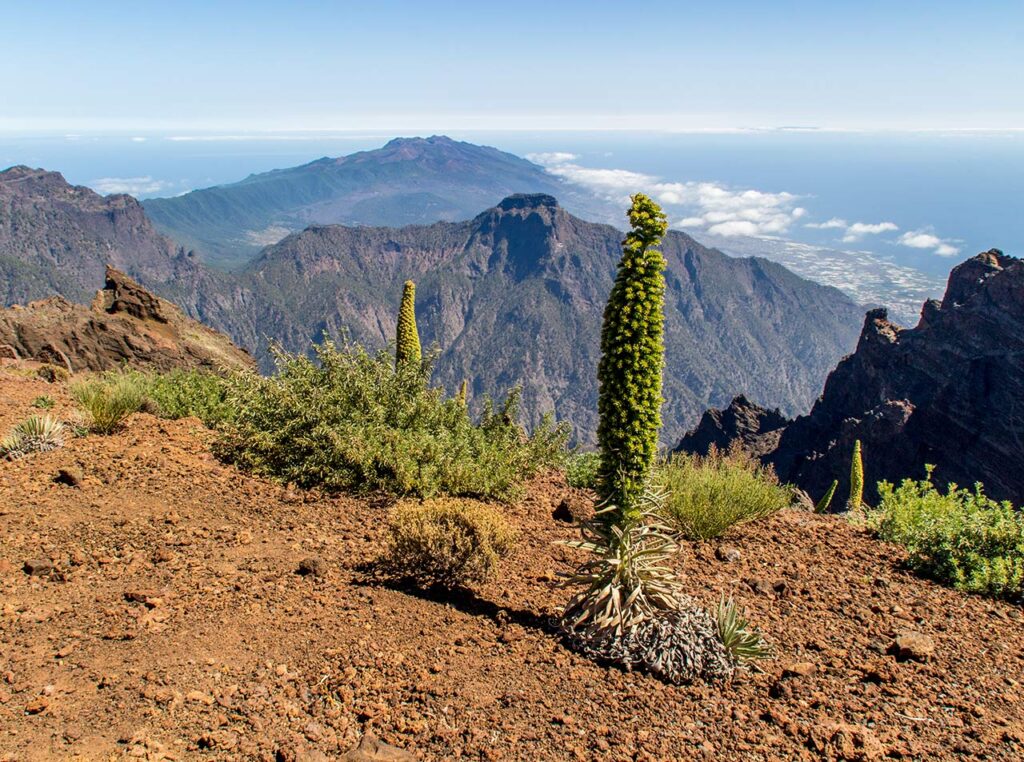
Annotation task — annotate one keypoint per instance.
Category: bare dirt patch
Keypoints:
(173, 622)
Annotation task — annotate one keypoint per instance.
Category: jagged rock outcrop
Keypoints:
(949, 392)
(757, 429)
(126, 324)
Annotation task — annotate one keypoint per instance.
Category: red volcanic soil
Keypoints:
(172, 623)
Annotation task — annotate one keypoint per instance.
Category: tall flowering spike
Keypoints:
(463, 396)
(632, 358)
(407, 342)
(856, 479)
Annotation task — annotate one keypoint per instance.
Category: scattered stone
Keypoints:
(912, 646)
(759, 585)
(218, 740)
(314, 566)
(800, 669)
(842, 741)
(728, 554)
(151, 598)
(70, 476)
(199, 697)
(37, 705)
(371, 749)
(7, 352)
(38, 567)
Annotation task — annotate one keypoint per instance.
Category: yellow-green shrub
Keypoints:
(705, 496)
(107, 400)
(447, 542)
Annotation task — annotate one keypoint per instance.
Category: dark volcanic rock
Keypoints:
(756, 428)
(949, 392)
(126, 324)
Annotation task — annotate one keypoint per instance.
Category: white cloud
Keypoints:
(131, 185)
(710, 206)
(138, 140)
(921, 239)
(836, 223)
(854, 231)
(553, 157)
(858, 230)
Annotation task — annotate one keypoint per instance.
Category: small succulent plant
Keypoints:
(34, 434)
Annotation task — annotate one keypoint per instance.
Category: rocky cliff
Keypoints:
(949, 392)
(757, 429)
(125, 325)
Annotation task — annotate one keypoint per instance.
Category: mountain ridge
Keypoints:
(407, 181)
(513, 295)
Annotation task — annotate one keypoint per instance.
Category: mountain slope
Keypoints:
(408, 181)
(516, 296)
(948, 393)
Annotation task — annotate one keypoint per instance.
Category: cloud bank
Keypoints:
(854, 231)
(708, 206)
(922, 239)
(131, 185)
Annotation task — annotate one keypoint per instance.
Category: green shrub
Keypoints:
(34, 434)
(960, 537)
(447, 542)
(582, 469)
(107, 400)
(355, 421)
(43, 402)
(185, 393)
(705, 496)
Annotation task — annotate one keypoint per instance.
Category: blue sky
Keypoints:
(432, 66)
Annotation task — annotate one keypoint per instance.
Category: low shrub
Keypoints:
(107, 400)
(960, 537)
(705, 496)
(447, 542)
(34, 434)
(43, 402)
(354, 421)
(185, 393)
(742, 642)
(582, 468)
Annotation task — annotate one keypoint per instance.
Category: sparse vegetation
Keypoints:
(108, 400)
(43, 402)
(52, 374)
(354, 421)
(856, 500)
(582, 469)
(34, 434)
(706, 496)
(960, 537)
(823, 505)
(184, 393)
(447, 542)
(742, 642)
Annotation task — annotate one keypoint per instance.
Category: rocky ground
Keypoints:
(152, 606)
